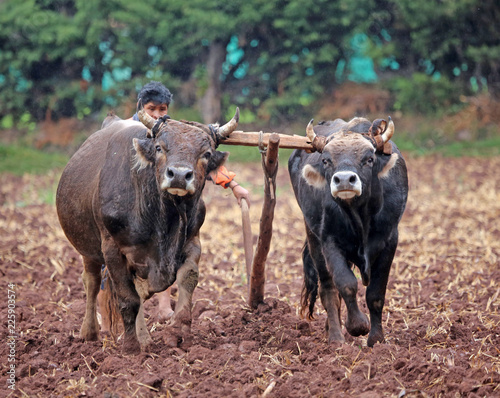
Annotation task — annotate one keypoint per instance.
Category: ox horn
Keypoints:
(310, 131)
(224, 131)
(318, 143)
(146, 119)
(389, 131)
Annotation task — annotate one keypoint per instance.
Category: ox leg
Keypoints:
(129, 301)
(375, 292)
(330, 297)
(129, 304)
(141, 286)
(92, 282)
(357, 323)
(141, 328)
(165, 310)
(187, 279)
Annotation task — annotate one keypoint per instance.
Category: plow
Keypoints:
(268, 144)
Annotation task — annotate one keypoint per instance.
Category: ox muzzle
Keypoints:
(178, 180)
(345, 185)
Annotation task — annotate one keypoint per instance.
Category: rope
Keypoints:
(262, 148)
(159, 122)
(213, 134)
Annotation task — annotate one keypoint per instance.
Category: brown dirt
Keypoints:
(442, 319)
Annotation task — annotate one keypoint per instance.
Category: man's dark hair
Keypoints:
(155, 92)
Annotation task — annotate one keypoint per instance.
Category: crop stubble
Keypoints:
(441, 318)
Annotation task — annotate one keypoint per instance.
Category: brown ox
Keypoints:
(130, 198)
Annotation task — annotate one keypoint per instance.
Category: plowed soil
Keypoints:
(441, 318)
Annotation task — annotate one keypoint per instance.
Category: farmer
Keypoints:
(155, 98)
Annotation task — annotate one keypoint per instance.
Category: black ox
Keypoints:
(352, 193)
(130, 198)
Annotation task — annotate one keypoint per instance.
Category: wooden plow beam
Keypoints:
(272, 141)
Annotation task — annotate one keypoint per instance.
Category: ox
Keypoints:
(352, 193)
(130, 198)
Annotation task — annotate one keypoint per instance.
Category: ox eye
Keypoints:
(207, 155)
(370, 160)
(158, 148)
(325, 161)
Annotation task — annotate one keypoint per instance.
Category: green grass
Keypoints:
(19, 160)
(249, 154)
(484, 148)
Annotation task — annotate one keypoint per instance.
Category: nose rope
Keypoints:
(213, 134)
(159, 122)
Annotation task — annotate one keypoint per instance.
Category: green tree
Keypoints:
(300, 45)
(456, 38)
(35, 52)
(67, 56)
(271, 57)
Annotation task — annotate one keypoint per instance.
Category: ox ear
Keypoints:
(386, 163)
(110, 119)
(144, 153)
(217, 160)
(313, 176)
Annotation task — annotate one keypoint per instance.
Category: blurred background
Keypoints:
(433, 66)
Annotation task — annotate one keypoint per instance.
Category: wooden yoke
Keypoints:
(270, 167)
(252, 139)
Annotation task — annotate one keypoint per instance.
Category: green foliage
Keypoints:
(184, 113)
(246, 115)
(278, 110)
(75, 58)
(459, 39)
(81, 55)
(299, 46)
(424, 94)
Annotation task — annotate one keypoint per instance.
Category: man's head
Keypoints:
(155, 98)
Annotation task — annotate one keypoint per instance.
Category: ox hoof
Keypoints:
(335, 338)
(146, 342)
(181, 324)
(358, 325)
(148, 347)
(375, 337)
(177, 335)
(365, 278)
(334, 334)
(164, 316)
(131, 347)
(88, 334)
(173, 340)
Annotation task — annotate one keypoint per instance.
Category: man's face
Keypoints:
(155, 109)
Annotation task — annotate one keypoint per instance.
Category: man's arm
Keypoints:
(225, 178)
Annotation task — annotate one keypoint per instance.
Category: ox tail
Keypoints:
(108, 306)
(310, 287)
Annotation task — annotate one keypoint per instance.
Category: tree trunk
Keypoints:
(210, 103)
